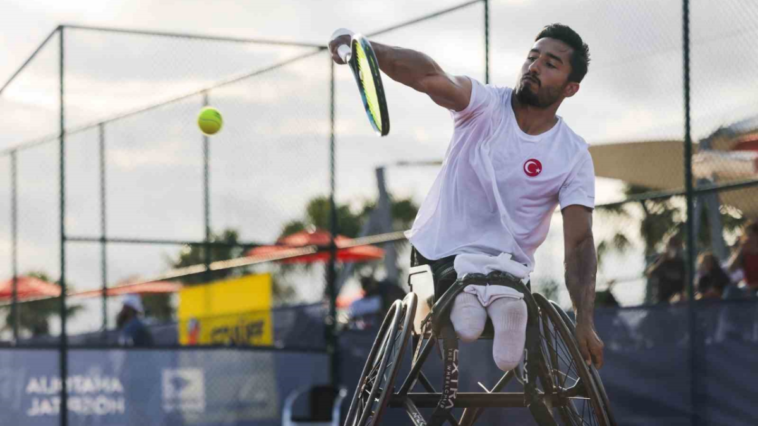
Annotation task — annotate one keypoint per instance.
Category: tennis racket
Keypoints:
(362, 61)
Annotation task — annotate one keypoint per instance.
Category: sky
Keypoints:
(275, 140)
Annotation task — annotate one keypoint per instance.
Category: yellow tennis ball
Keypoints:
(210, 120)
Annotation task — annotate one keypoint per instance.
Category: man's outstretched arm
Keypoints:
(418, 71)
(581, 269)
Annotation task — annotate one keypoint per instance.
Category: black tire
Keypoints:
(375, 385)
(595, 374)
(576, 397)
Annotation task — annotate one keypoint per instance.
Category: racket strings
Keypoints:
(368, 85)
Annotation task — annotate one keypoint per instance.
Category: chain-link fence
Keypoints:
(104, 120)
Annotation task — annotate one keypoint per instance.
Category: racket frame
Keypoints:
(359, 40)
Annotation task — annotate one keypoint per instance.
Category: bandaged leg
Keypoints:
(468, 317)
(508, 317)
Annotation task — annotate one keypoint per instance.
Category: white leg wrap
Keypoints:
(468, 317)
(509, 321)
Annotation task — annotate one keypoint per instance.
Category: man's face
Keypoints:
(544, 76)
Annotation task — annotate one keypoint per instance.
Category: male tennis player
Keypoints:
(510, 163)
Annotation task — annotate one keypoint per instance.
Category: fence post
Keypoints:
(14, 245)
(206, 197)
(62, 182)
(331, 273)
(103, 228)
(691, 237)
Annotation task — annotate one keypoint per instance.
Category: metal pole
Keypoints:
(103, 229)
(691, 237)
(486, 41)
(206, 196)
(15, 309)
(331, 320)
(62, 181)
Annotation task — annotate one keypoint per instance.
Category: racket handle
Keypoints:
(344, 53)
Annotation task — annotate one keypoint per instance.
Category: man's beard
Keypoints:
(526, 96)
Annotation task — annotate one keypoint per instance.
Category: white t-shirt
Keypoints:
(498, 186)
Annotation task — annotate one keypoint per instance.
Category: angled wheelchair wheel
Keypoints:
(595, 375)
(572, 386)
(375, 385)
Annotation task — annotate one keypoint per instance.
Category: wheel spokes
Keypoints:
(566, 371)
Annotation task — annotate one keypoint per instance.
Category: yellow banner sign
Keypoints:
(229, 312)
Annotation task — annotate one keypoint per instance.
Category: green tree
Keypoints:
(34, 317)
(195, 255)
(350, 222)
(318, 216)
(661, 218)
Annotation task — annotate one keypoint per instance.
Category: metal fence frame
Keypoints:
(104, 239)
(691, 192)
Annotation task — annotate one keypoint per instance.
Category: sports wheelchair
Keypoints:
(558, 386)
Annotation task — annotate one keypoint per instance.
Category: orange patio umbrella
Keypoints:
(28, 288)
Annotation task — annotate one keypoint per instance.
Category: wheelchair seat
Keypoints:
(438, 285)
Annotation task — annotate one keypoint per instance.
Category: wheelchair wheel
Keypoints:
(575, 393)
(595, 375)
(375, 385)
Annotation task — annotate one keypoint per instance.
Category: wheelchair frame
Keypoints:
(552, 395)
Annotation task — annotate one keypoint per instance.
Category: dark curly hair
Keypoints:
(580, 59)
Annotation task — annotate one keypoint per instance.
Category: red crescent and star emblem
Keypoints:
(532, 167)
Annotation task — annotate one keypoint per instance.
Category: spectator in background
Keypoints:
(711, 278)
(668, 271)
(605, 298)
(377, 298)
(134, 333)
(746, 257)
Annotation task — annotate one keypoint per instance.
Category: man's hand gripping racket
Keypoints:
(356, 51)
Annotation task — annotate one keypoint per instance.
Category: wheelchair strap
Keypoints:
(450, 378)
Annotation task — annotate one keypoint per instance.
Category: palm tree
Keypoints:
(661, 219)
(350, 223)
(158, 305)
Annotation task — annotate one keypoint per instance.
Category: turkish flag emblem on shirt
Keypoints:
(532, 167)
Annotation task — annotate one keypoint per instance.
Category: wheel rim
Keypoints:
(363, 394)
(371, 395)
(593, 371)
(577, 400)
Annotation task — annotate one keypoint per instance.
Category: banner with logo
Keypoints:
(209, 387)
(230, 312)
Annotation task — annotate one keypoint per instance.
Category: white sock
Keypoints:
(468, 317)
(509, 321)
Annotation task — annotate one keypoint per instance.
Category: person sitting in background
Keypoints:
(605, 298)
(746, 257)
(134, 333)
(711, 278)
(668, 271)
